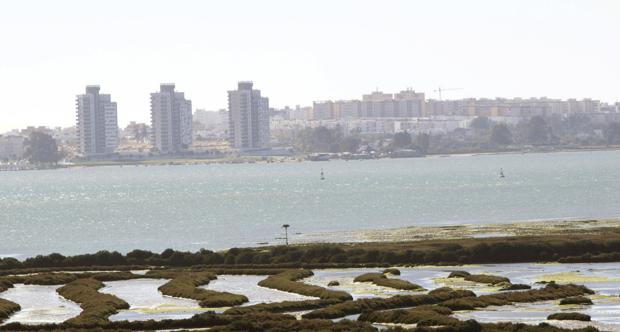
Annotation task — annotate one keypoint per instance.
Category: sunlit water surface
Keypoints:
(40, 305)
(603, 278)
(248, 286)
(82, 210)
(146, 302)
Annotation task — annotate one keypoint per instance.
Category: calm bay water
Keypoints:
(217, 206)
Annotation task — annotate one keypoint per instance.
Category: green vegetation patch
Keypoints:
(59, 278)
(62, 278)
(288, 281)
(576, 300)
(479, 278)
(281, 322)
(392, 271)
(7, 308)
(596, 244)
(5, 284)
(96, 307)
(284, 306)
(551, 292)
(427, 315)
(248, 271)
(513, 287)
(368, 277)
(380, 279)
(569, 316)
(399, 301)
(521, 327)
(185, 284)
(262, 321)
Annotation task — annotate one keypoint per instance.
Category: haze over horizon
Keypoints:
(298, 52)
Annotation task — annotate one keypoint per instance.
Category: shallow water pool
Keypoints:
(147, 302)
(248, 285)
(603, 278)
(605, 314)
(40, 305)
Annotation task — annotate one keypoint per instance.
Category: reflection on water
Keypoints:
(248, 286)
(603, 278)
(252, 199)
(605, 314)
(146, 302)
(358, 290)
(40, 304)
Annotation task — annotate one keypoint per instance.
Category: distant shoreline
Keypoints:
(182, 161)
(456, 231)
(442, 233)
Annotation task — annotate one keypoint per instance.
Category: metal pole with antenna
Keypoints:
(286, 226)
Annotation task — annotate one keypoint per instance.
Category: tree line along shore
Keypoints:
(285, 267)
(573, 246)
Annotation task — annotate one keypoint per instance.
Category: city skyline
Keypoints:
(496, 51)
(337, 102)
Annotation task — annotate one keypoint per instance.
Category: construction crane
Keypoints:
(440, 90)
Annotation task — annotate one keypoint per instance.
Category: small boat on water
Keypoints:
(322, 175)
(501, 173)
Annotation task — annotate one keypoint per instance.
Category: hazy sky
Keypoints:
(299, 51)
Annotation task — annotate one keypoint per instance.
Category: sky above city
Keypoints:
(297, 52)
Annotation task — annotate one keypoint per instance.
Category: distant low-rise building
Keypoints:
(405, 104)
(12, 147)
(322, 110)
(429, 125)
(301, 113)
(347, 109)
(207, 118)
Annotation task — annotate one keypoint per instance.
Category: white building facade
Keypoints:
(171, 119)
(97, 122)
(248, 114)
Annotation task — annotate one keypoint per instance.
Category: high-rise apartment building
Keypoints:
(409, 104)
(248, 114)
(97, 123)
(171, 120)
(377, 105)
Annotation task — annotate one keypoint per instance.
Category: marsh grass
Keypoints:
(380, 279)
(595, 245)
(551, 291)
(288, 281)
(185, 284)
(7, 308)
(513, 287)
(569, 316)
(576, 300)
(479, 278)
(62, 278)
(427, 315)
(96, 307)
(392, 271)
(284, 306)
(399, 301)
